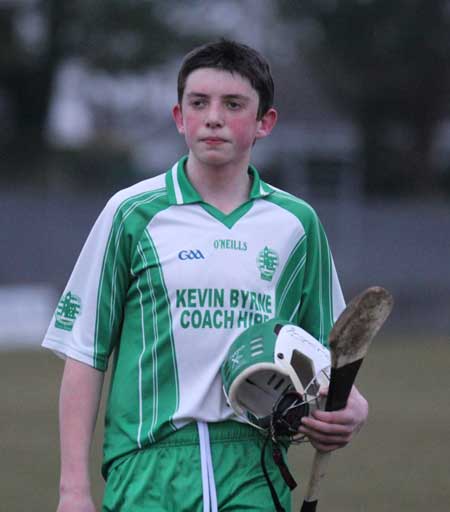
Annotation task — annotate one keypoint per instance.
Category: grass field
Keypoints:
(399, 462)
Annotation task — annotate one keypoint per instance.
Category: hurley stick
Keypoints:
(349, 342)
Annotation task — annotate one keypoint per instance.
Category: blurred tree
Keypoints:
(38, 36)
(388, 64)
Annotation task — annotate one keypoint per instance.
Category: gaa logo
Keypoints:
(191, 255)
(69, 307)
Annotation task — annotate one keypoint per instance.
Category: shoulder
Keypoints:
(294, 205)
(130, 210)
(140, 194)
(139, 202)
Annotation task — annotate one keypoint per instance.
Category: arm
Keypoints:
(329, 431)
(78, 407)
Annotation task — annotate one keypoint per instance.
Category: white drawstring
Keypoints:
(212, 482)
(208, 483)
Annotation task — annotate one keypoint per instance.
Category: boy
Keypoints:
(173, 270)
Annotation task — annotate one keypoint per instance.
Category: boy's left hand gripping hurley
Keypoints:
(349, 342)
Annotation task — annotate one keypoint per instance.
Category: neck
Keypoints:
(224, 187)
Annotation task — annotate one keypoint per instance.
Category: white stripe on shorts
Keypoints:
(208, 483)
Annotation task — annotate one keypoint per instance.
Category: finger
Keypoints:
(326, 438)
(327, 428)
(342, 417)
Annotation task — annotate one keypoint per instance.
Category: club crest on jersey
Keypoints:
(67, 311)
(267, 263)
(191, 255)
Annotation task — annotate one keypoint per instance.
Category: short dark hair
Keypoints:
(233, 57)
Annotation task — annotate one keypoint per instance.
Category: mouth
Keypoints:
(213, 141)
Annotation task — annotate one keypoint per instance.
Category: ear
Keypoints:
(177, 115)
(266, 123)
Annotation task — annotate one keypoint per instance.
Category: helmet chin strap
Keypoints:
(285, 421)
(273, 492)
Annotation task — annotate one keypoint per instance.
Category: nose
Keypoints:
(214, 117)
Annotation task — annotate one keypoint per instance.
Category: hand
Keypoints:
(328, 431)
(76, 502)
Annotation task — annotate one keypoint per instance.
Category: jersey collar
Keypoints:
(181, 191)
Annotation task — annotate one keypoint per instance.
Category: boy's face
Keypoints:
(218, 117)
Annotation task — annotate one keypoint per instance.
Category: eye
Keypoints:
(197, 103)
(233, 105)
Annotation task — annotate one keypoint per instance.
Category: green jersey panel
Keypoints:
(308, 292)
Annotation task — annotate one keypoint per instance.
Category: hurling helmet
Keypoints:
(272, 375)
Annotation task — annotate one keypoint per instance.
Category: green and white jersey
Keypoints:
(167, 282)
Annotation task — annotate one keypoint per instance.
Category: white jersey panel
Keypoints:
(72, 331)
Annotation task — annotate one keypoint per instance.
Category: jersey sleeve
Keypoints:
(321, 299)
(87, 321)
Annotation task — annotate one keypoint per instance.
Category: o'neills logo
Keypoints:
(234, 245)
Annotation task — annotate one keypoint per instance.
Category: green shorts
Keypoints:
(168, 476)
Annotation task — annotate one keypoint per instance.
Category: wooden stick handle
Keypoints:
(318, 471)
